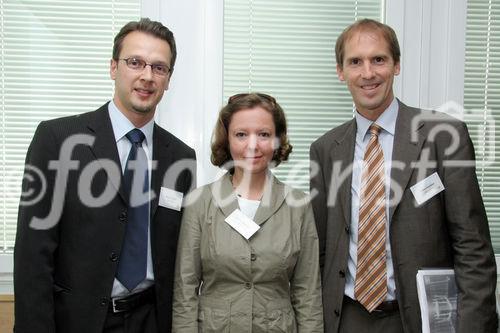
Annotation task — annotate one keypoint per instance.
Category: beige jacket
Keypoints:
(269, 283)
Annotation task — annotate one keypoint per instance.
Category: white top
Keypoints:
(248, 207)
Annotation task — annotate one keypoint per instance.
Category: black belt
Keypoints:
(387, 306)
(384, 307)
(133, 301)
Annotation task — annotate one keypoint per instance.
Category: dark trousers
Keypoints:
(139, 320)
(356, 319)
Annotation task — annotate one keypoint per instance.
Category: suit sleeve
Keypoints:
(305, 286)
(34, 250)
(474, 260)
(187, 271)
(319, 200)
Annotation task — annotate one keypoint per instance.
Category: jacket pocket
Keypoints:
(280, 316)
(213, 315)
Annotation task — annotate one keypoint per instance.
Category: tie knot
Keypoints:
(374, 129)
(135, 136)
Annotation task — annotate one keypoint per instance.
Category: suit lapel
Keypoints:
(408, 141)
(104, 147)
(224, 196)
(343, 153)
(163, 157)
(272, 199)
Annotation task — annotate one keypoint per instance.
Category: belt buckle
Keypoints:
(113, 303)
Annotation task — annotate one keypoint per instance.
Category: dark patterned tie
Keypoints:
(371, 276)
(133, 258)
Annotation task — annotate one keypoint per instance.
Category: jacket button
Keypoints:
(342, 273)
(248, 285)
(123, 216)
(104, 301)
(253, 257)
(113, 257)
(337, 312)
(346, 229)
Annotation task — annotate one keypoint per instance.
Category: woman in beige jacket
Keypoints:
(247, 258)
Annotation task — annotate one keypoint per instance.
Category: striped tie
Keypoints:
(371, 277)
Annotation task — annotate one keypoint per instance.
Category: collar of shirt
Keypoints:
(387, 121)
(121, 125)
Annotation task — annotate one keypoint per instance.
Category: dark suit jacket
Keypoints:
(63, 276)
(448, 230)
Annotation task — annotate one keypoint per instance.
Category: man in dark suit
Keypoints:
(394, 190)
(95, 251)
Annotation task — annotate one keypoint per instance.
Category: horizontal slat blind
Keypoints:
(482, 101)
(286, 48)
(54, 62)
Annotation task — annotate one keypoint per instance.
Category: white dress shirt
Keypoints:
(387, 121)
(121, 126)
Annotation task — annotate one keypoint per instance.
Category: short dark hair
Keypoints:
(367, 25)
(147, 26)
(220, 140)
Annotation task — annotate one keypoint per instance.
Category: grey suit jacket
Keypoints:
(448, 230)
(63, 275)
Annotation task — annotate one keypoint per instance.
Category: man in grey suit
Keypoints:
(418, 168)
(96, 252)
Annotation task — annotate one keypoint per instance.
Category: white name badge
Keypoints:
(242, 223)
(427, 188)
(170, 199)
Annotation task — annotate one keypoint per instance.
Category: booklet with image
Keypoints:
(437, 294)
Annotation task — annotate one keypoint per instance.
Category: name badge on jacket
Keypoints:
(170, 199)
(427, 188)
(242, 223)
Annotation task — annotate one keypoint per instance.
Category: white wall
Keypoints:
(432, 42)
(190, 106)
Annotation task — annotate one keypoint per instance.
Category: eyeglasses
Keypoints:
(139, 65)
(266, 97)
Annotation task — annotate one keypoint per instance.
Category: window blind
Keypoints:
(482, 101)
(54, 61)
(286, 48)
